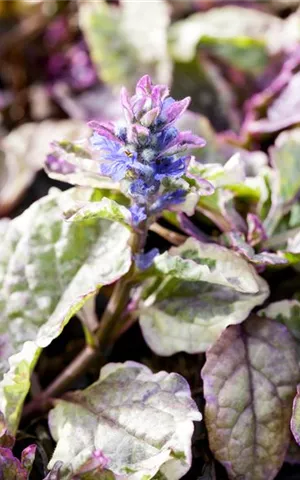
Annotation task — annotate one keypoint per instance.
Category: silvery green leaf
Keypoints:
(140, 422)
(133, 53)
(105, 208)
(208, 262)
(48, 269)
(250, 379)
(204, 289)
(190, 316)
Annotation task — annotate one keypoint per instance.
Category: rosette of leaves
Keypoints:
(195, 297)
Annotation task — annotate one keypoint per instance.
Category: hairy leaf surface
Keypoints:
(205, 288)
(48, 269)
(139, 421)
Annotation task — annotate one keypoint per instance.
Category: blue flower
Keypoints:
(147, 150)
(170, 167)
(138, 213)
(167, 200)
(115, 159)
(145, 260)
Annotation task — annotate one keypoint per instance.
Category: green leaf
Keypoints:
(48, 269)
(205, 288)
(249, 379)
(242, 44)
(16, 383)
(119, 48)
(211, 94)
(106, 208)
(139, 421)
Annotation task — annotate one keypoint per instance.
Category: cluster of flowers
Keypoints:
(146, 151)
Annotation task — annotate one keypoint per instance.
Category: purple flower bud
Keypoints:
(127, 108)
(172, 111)
(144, 85)
(144, 151)
(105, 129)
(149, 118)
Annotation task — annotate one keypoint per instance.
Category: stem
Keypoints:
(105, 334)
(172, 237)
(43, 401)
(89, 321)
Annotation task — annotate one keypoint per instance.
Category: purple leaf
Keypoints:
(28, 456)
(11, 467)
(250, 377)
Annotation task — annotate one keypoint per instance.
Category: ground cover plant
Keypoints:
(150, 240)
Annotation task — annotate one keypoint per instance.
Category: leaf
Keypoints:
(286, 312)
(239, 244)
(23, 152)
(214, 150)
(54, 474)
(295, 420)
(204, 289)
(106, 208)
(120, 50)
(211, 94)
(208, 262)
(11, 467)
(74, 164)
(233, 172)
(141, 422)
(48, 269)
(190, 316)
(16, 383)
(249, 382)
(242, 44)
(283, 112)
(28, 456)
(285, 159)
